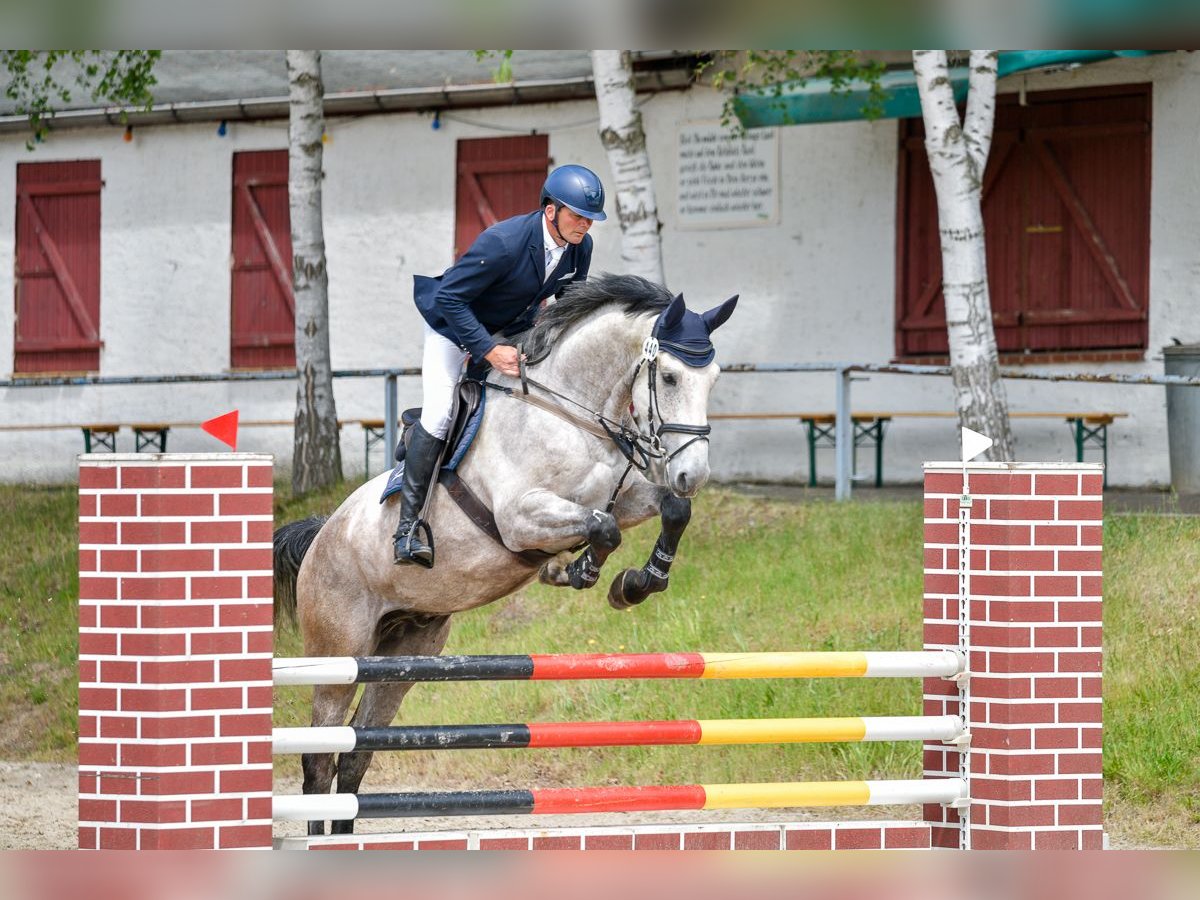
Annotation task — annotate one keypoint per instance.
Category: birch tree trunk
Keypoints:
(624, 139)
(317, 455)
(958, 153)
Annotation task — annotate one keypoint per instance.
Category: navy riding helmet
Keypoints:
(578, 189)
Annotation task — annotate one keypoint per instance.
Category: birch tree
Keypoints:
(958, 153)
(317, 455)
(624, 140)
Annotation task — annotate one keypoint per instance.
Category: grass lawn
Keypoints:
(753, 574)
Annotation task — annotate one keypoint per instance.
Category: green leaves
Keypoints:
(41, 80)
(769, 72)
(503, 73)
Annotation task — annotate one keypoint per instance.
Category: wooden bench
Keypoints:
(100, 437)
(1089, 429)
(374, 431)
(150, 434)
(104, 436)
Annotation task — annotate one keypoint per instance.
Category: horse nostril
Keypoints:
(681, 482)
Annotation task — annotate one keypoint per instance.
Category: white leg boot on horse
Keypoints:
(420, 459)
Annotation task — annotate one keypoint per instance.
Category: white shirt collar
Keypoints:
(548, 242)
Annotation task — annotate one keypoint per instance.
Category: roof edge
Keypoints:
(357, 103)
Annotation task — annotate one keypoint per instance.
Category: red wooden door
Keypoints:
(1067, 222)
(58, 267)
(497, 178)
(263, 310)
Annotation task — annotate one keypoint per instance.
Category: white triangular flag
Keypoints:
(974, 443)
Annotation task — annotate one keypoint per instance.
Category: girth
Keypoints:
(477, 511)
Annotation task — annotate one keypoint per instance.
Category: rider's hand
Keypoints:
(504, 359)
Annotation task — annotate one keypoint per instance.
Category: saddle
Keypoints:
(465, 419)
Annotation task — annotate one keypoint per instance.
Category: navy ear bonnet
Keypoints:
(685, 334)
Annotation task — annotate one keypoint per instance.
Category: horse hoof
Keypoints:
(554, 572)
(619, 592)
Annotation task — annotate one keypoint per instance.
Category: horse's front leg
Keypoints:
(542, 519)
(633, 586)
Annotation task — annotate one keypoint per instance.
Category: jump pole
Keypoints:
(175, 686)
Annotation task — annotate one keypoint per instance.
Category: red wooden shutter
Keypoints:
(497, 178)
(263, 307)
(58, 267)
(1067, 218)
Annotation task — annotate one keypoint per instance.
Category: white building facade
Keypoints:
(817, 276)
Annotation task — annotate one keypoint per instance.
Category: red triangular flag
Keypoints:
(223, 428)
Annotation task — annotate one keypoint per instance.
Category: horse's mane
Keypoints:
(581, 299)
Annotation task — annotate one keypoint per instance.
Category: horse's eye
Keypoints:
(670, 379)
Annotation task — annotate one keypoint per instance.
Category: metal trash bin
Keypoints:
(1183, 418)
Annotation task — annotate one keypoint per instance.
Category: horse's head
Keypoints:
(662, 356)
(671, 390)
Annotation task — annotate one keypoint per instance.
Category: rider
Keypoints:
(493, 291)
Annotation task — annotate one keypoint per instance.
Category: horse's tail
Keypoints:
(291, 543)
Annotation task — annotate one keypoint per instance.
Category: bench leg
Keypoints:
(103, 441)
(812, 454)
(1097, 436)
(879, 454)
(371, 437)
(156, 439)
(1103, 431)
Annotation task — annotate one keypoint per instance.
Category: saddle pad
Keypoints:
(466, 437)
(395, 482)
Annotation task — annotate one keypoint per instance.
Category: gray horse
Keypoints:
(613, 431)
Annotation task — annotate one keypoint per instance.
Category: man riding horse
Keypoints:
(493, 291)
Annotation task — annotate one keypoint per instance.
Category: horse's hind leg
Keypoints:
(546, 518)
(381, 701)
(329, 705)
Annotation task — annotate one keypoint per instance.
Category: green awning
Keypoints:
(815, 101)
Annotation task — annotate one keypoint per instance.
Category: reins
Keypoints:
(639, 448)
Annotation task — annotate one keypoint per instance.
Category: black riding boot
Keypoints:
(422, 455)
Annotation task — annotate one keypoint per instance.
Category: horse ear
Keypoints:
(715, 317)
(672, 315)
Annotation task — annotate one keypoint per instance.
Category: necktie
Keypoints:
(549, 264)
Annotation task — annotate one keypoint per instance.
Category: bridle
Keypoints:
(640, 448)
(651, 440)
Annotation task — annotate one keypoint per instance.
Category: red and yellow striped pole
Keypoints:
(593, 666)
(345, 739)
(316, 807)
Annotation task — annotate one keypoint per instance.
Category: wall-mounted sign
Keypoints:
(726, 181)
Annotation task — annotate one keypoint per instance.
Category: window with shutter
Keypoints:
(1066, 208)
(57, 277)
(263, 311)
(497, 178)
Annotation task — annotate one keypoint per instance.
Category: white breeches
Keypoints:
(441, 367)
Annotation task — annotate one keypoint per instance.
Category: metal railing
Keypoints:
(843, 371)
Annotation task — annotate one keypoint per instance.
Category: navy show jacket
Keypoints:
(498, 284)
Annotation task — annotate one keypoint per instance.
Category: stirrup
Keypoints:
(406, 548)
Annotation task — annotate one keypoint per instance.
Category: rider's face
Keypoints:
(572, 227)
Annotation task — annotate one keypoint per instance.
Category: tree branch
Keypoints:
(979, 122)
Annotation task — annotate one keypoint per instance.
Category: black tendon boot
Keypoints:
(422, 455)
